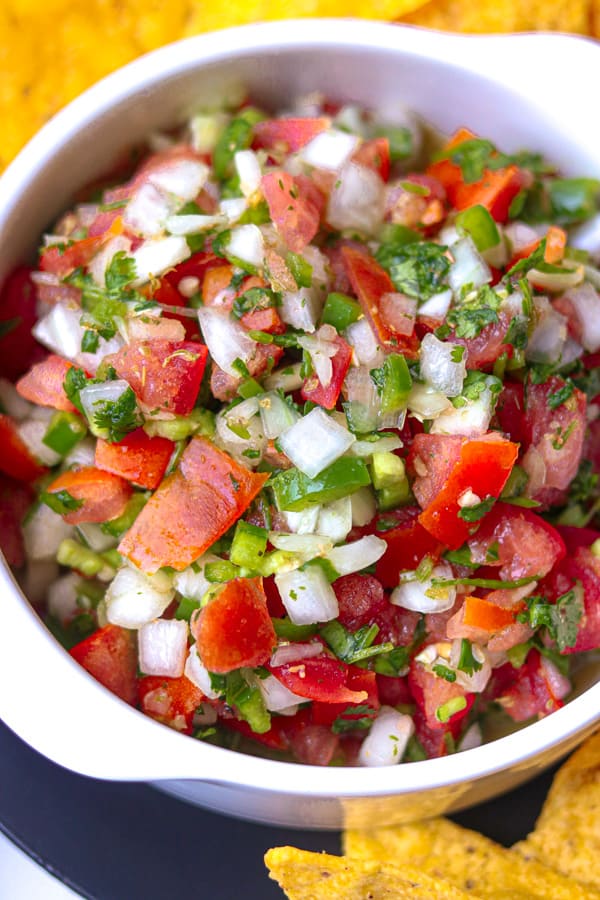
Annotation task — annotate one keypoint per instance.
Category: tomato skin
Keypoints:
(104, 495)
(110, 655)
(327, 396)
(407, 543)
(267, 320)
(44, 383)
(172, 701)
(360, 599)
(292, 133)
(370, 282)
(528, 694)
(357, 680)
(375, 155)
(235, 628)
(319, 678)
(15, 458)
(15, 499)
(527, 544)
(137, 458)
(430, 692)
(18, 346)
(275, 738)
(483, 466)
(295, 214)
(62, 261)
(510, 411)
(191, 509)
(163, 374)
(479, 612)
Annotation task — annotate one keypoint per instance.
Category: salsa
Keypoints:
(301, 436)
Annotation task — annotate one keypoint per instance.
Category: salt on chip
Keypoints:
(466, 859)
(567, 833)
(318, 876)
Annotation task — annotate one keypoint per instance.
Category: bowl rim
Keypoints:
(194, 759)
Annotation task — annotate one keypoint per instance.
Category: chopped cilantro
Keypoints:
(351, 647)
(444, 672)
(466, 660)
(75, 380)
(557, 398)
(116, 418)
(253, 299)
(103, 305)
(418, 269)
(90, 341)
(476, 512)
(560, 618)
(533, 261)
(475, 312)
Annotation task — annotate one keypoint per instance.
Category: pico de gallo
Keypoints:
(301, 437)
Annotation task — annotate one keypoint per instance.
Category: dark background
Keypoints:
(122, 841)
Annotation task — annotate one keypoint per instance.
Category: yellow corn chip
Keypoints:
(504, 15)
(567, 833)
(318, 876)
(465, 858)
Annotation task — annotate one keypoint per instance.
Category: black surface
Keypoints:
(121, 841)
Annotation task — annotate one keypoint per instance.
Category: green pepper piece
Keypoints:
(393, 381)
(295, 491)
(340, 311)
(64, 431)
(477, 222)
(249, 545)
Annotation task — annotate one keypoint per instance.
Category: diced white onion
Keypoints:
(192, 224)
(307, 596)
(205, 130)
(303, 522)
(468, 267)
(472, 418)
(286, 379)
(134, 598)
(287, 652)
(329, 150)
(361, 338)
(423, 596)
(386, 444)
(199, 674)
(233, 208)
(586, 303)
(548, 337)
(315, 441)
(519, 236)
(321, 352)
(95, 538)
(191, 583)
(83, 454)
(357, 200)
(247, 244)
(276, 416)
(438, 367)
(154, 257)
(386, 741)
(181, 178)
(357, 555)
(275, 695)
(437, 306)
(305, 545)
(148, 210)
(363, 402)
(162, 646)
(43, 532)
(38, 575)
(101, 260)
(94, 395)
(364, 507)
(60, 331)
(226, 339)
(477, 681)
(62, 598)
(12, 402)
(32, 433)
(556, 282)
(559, 684)
(472, 738)
(335, 519)
(587, 236)
(248, 169)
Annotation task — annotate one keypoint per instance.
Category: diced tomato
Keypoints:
(166, 294)
(483, 467)
(15, 499)
(510, 411)
(447, 173)
(235, 628)
(267, 320)
(584, 567)
(275, 738)
(360, 599)
(481, 613)
(357, 680)
(319, 678)
(556, 241)
(484, 349)
(529, 692)
(15, 458)
(103, 495)
(172, 701)
(110, 655)
(527, 545)
(137, 458)
(370, 282)
(164, 374)
(61, 260)
(291, 134)
(327, 395)
(294, 214)
(407, 543)
(18, 316)
(216, 280)
(393, 691)
(312, 744)
(575, 537)
(556, 435)
(432, 692)
(191, 509)
(375, 155)
(44, 383)
(274, 601)
(196, 266)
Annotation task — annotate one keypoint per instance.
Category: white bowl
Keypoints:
(520, 91)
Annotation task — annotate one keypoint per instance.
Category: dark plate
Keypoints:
(121, 841)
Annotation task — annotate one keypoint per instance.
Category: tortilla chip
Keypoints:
(567, 833)
(465, 858)
(318, 876)
(504, 16)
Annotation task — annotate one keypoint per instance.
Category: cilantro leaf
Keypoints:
(475, 313)
(102, 305)
(467, 662)
(560, 618)
(418, 270)
(75, 380)
(476, 512)
(352, 647)
(557, 398)
(253, 299)
(472, 157)
(444, 672)
(117, 417)
(535, 259)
